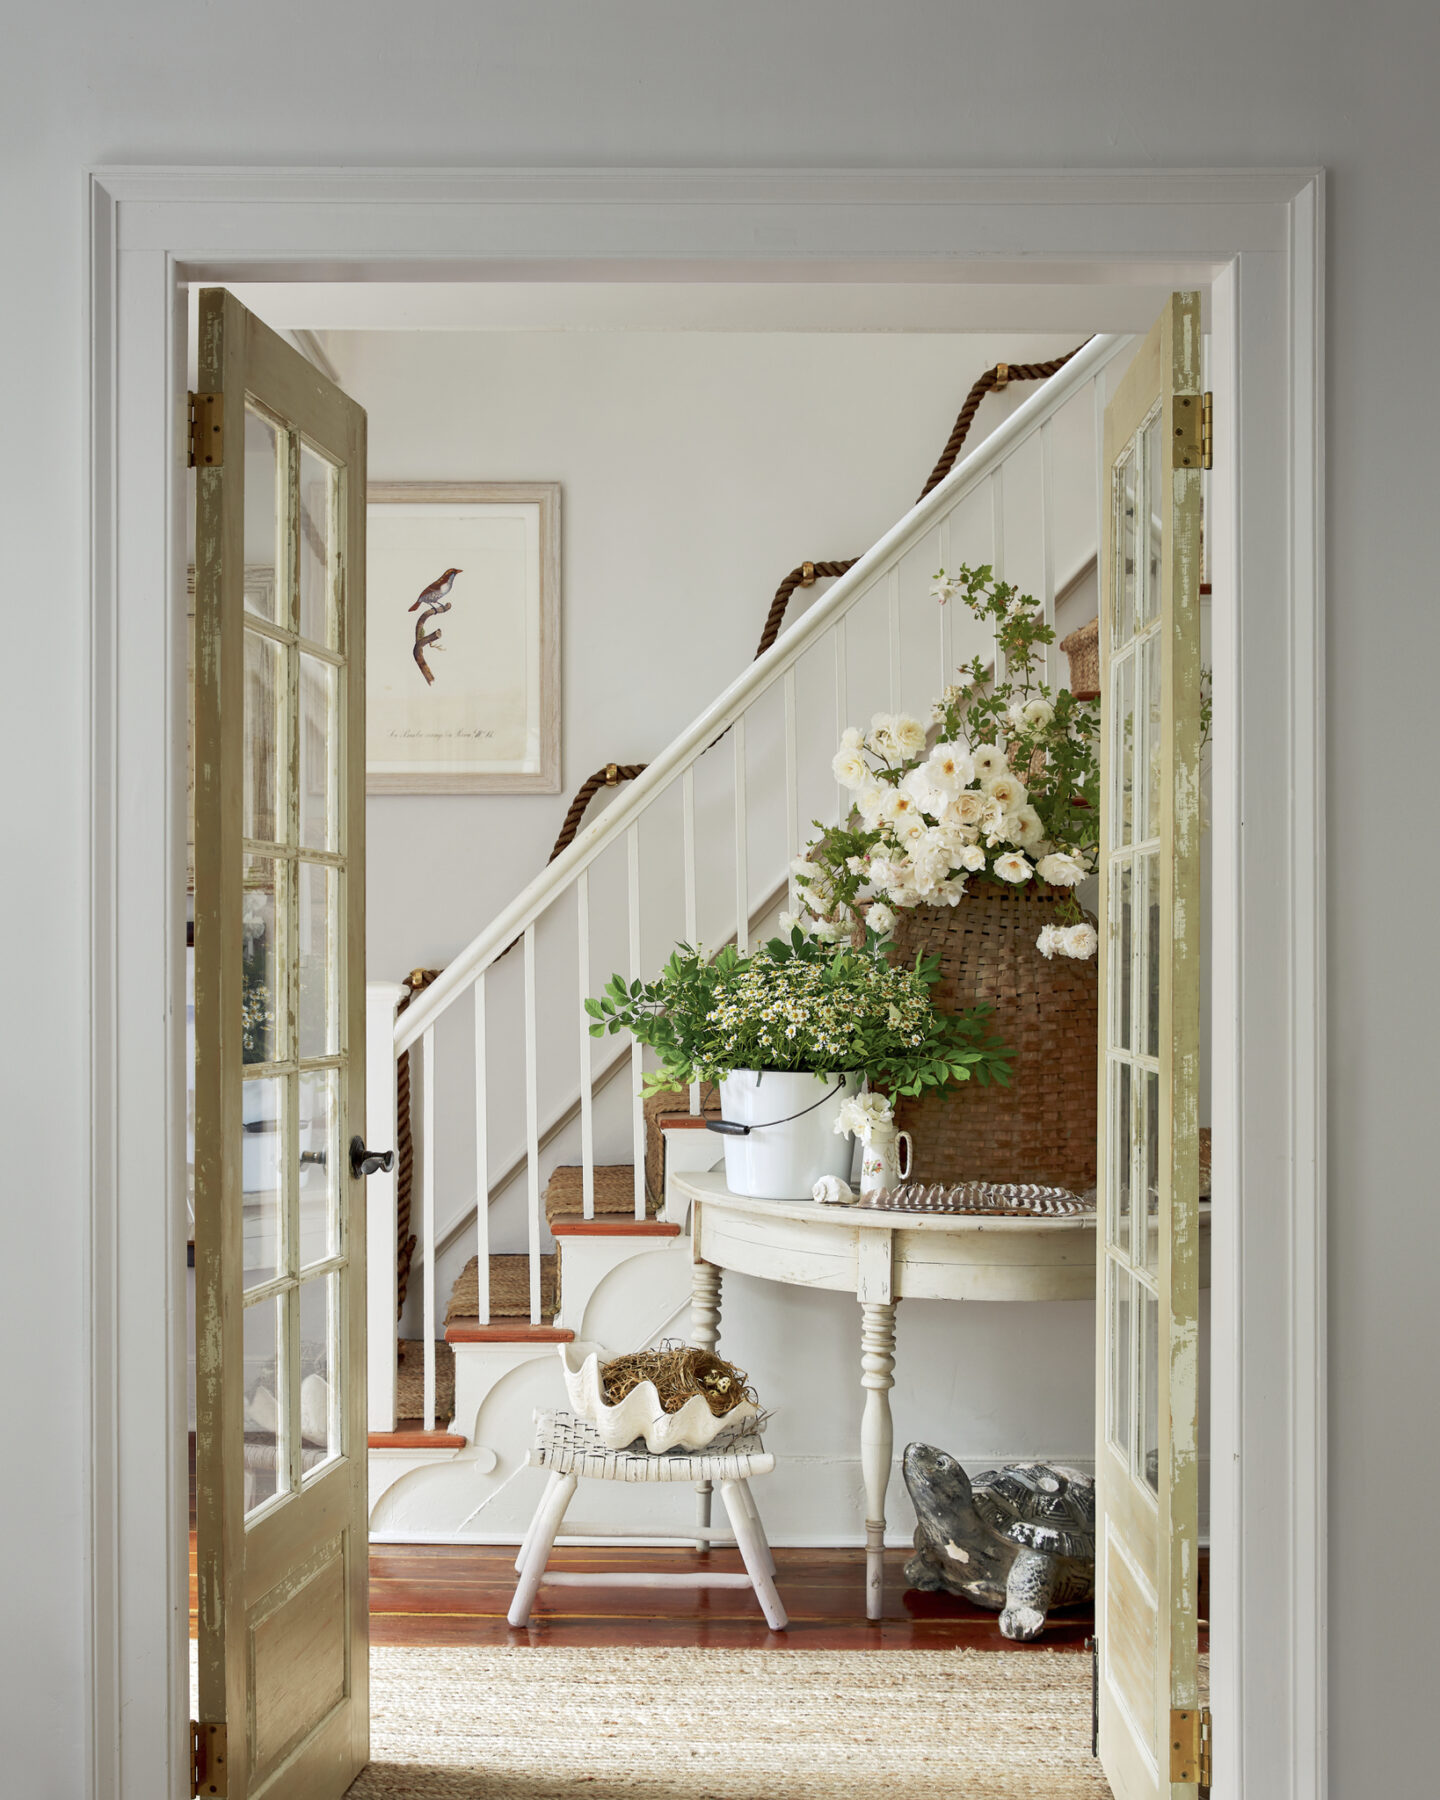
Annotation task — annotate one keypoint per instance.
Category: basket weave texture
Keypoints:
(1083, 649)
(1042, 1127)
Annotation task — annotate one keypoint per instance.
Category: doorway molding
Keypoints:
(1255, 239)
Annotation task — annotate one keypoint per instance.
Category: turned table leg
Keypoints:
(877, 1440)
(704, 1331)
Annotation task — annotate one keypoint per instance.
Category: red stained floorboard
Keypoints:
(458, 1594)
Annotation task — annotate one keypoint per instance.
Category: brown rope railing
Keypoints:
(415, 983)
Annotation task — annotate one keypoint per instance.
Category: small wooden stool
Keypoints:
(569, 1448)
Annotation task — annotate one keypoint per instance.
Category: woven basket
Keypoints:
(1042, 1127)
(1083, 649)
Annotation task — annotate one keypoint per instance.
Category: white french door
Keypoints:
(1149, 1237)
(280, 1068)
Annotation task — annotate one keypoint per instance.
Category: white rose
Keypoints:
(1023, 827)
(1006, 790)
(803, 870)
(1079, 940)
(903, 814)
(880, 918)
(1012, 867)
(989, 760)
(949, 769)
(851, 769)
(1016, 607)
(952, 892)
(1061, 869)
(789, 920)
(970, 856)
(882, 734)
(1039, 713)
(908, 734)
(944, 587)
(851, 738)
(918, 785)
(824, 931)
(857, 865)
(966, 809)
(1048, 943)
(872, 800)
(1015, 717)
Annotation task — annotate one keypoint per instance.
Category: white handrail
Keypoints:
(758, 676)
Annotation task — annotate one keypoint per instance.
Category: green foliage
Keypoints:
(800, 1004)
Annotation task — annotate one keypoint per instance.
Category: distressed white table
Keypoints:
(881, 1258)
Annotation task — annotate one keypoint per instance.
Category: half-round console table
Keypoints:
(881, 1258)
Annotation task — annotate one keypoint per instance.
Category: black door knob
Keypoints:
(369, 1162)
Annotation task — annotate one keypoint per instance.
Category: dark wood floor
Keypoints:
(450, 1594)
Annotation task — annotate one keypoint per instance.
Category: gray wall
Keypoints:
(1107, 82)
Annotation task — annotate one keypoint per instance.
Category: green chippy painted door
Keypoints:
(1149, 1237)
(280, 1067)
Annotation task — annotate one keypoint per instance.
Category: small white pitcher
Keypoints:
(880, 1160)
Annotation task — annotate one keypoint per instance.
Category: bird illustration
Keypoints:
(437, 590)
(432, 602)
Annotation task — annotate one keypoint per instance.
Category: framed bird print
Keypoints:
(462, 623)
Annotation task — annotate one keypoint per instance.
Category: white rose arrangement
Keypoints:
(864, 1115)
(1001, 786)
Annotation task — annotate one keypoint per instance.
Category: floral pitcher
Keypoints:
(882, 1164)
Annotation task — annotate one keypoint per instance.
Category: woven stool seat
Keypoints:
(568, 1448)
(564, 1444)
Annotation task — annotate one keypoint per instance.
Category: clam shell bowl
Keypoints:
(640, 1414)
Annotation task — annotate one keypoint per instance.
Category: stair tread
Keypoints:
(614, 1192)
(509, 1288)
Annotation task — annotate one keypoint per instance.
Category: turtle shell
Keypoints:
(1039, 1507)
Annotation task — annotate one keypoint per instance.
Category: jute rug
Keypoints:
(542, 1724)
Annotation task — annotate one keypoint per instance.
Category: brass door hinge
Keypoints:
(209, 1773)
(1190, 1745)
(1194, 415)
(207, 422)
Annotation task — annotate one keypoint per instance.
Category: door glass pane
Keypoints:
(1155, 517)
(262, 815)
(319, 529)
(1148, 909)
(1122, 917)
(262, 1012)
(319, 1371)
(1120, 1283)
(1151, 1084)
(266, 1463)
(1150, 1401)
(1123, 752)
(318, 759)
(1121, 1152)
(319, 1165)
(262, 1158)
(1149, 704)
(265, 451)
(319, 960)
(1126, 483)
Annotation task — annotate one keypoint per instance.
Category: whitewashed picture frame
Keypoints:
(462, 657)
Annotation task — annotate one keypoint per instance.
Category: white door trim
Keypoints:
(1256, 238)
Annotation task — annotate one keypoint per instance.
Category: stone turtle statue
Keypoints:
(1019, 1540)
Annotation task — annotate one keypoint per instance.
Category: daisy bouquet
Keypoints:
(1001, 786)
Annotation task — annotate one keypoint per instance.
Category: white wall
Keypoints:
(1040, 83)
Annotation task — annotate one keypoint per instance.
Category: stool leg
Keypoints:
(542, 1540)
(704, 1331)
(748, 1501)
(756, 1554)
(552, 1481)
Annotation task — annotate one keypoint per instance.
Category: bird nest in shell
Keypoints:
(679, 1372)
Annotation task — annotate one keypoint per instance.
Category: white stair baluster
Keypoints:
(842, 708)
(946, 639)
(742, 845)
(587, 1092)
(482, 1160)
(997, 550)
(532, 1124)
(792, 789)
(692, 922)
(1047, 548)
(637, 1049)
(427, 1217)
(892, 589)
